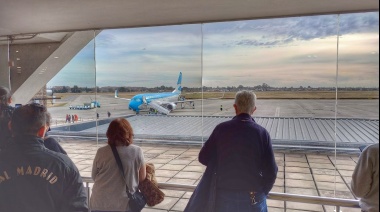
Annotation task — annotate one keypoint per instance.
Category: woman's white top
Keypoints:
(109, 191)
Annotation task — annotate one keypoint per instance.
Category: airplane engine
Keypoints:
(49, 92)
(171, 106)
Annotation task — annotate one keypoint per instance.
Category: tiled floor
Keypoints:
(304, 174)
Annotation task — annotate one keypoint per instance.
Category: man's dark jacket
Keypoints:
(33, 178)
(53, 144)
(5, 116)
(245, 158)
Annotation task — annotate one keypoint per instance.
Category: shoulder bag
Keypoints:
(149, 187)
(136, 201)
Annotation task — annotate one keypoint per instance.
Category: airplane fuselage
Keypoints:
(158, 102)
(137, 102)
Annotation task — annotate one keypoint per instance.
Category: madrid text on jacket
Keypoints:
(30, 172)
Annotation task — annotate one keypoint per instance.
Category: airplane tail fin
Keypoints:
(117, 96)
(179, 82)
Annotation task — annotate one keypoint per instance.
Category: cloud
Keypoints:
(282, 31)
(297, 51)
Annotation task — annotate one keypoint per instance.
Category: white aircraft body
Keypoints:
(162, 103)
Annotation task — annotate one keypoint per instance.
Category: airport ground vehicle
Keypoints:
(85, 106)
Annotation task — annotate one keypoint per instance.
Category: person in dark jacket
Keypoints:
(246, 167)
(32, 177)
(52, 142)
(6, 112)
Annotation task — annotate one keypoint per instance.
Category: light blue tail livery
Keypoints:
(179, 82)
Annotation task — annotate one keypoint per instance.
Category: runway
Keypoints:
(363, 109)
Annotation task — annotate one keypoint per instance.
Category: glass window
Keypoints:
(316, 79)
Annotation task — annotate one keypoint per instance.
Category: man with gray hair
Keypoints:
(33, 178)
(246, 167)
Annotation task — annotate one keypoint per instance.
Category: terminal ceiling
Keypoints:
(59, 22)
(39, 16)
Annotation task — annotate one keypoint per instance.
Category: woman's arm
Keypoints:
(362, 176)
(94, 171)
(142, 173)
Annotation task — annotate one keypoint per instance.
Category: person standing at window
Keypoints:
(6, 112)
(109, 190)
(32, 177)
(51, 142)
(246, 167)
(365, 179)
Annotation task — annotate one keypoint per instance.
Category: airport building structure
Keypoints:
(316, 151)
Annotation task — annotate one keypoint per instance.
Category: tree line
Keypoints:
(262, 87)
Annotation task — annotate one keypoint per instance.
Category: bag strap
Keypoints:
(120, 165)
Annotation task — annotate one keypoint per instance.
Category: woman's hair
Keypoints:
(120, 133)
(5, 95)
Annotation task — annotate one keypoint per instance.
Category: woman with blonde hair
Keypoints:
(109, 190)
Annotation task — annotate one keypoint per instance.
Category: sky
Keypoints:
(282, 52)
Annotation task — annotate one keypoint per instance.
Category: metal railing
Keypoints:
(337, 202)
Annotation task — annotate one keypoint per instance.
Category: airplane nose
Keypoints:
(134, 105)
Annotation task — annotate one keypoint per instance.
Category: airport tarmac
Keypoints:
(286, 120)
(291, 123)
(363, 109)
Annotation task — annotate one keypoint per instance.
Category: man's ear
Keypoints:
(41, 132)
(253, 110)
(236, 109)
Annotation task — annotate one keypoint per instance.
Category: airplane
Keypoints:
(49, 95)
(162, 103)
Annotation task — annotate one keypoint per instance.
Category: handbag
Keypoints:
(204, 196)
(149, 187)
(136, 200)
(151, 192)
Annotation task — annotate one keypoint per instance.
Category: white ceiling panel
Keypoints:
(37, 16)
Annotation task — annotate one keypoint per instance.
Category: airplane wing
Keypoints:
(174, 102)
(172, 105)
(123, 98)
(184, 101)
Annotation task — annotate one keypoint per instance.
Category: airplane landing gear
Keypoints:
(152, 111)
